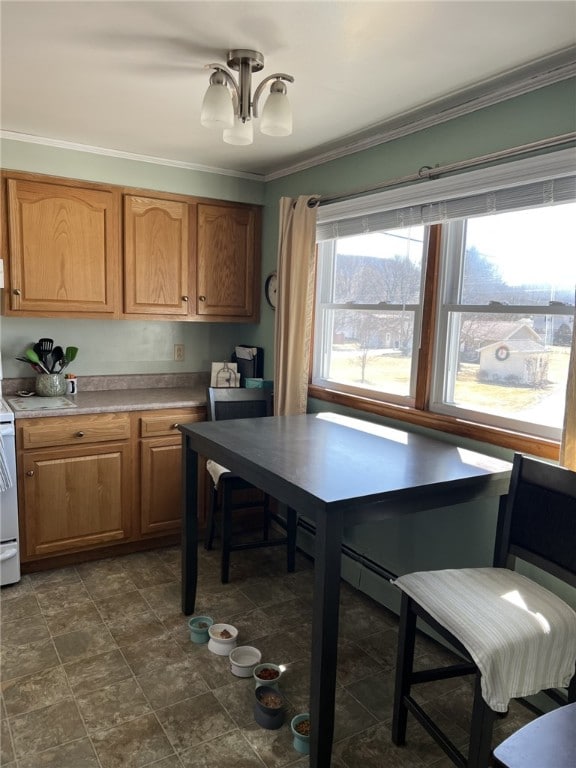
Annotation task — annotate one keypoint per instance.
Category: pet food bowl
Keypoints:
(243, 659)
(222, 639)
(198, 626)
(269, 708)
(300, 727)
(267, 674)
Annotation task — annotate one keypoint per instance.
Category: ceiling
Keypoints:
(129, 77)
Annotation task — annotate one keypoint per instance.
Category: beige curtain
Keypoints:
(296, 251)
(568, 446)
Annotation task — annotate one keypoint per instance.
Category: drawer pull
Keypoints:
(30, 473)
(202, 298)
(79, 434)
(175, 426)
(185, 298)
(17, 292)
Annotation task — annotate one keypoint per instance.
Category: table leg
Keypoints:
(189, 526)
(326, 603)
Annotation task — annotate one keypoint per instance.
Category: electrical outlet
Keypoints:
(179, 353)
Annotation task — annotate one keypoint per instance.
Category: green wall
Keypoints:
(36, 158)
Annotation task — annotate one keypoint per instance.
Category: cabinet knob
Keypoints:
(30, 473)
(202, 298)
(17, 292)
(185, 298)
(175, 426)
(79, 434)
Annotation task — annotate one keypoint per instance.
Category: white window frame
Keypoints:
(323, 339)
(441, 201)
(446, 352)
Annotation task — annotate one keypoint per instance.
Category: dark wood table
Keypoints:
(338, 471)
(547, 742)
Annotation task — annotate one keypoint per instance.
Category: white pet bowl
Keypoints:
(243, 659)
(222, 645)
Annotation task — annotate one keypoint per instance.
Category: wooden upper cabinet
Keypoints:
(63, 249)
(80, 249)
(156, 257)
(228, 262)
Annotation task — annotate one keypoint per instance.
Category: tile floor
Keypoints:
(98, 670)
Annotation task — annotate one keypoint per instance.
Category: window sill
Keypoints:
(515, 441)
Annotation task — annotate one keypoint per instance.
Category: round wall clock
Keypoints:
(271, 289)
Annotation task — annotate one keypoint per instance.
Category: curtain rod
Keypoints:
(427, 172)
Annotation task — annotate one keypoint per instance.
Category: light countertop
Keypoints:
(110, 400)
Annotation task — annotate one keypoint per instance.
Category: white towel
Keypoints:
(5, 479)
(521, 636)
(216, 471)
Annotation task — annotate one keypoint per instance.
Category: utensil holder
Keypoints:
(50, 384)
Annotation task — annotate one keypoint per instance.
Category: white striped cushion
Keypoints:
(521, 636)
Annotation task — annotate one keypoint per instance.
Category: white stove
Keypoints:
(9, 547)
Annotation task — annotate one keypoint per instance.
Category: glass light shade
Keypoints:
(276, 115)
(241, 133)
(217, 108)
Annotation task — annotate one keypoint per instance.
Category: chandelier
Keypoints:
(229, 105)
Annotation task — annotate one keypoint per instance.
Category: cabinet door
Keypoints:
(76, 498)
(155, 257)
(228, 262)
(161, 484)
(64, 249)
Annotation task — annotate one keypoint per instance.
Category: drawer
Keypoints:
(162, 423)
(74, 430)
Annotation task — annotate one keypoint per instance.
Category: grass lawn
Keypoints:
(391, 373)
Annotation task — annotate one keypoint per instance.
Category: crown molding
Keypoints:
(30, 139)
(517, 82)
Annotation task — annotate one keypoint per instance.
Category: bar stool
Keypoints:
(238, 403)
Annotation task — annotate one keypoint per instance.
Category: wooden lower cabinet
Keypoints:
(161, 469)
(93, 482)
(76, 497)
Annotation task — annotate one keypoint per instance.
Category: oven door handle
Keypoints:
(8, 554)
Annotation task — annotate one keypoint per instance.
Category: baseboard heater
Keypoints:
(350, 552)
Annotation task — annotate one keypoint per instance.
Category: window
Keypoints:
(457, 305)
(368, 310)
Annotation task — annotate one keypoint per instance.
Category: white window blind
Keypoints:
(536, 182)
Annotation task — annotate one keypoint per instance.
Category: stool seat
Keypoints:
(547, 742)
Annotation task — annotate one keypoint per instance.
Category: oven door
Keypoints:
(9, 552)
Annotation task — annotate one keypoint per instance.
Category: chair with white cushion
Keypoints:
(239, 403)
(515, 636)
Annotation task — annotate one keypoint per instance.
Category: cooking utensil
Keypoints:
(69, 356)
(56, 357)
(71, 353)
(35, 367)
(38, 349)
(33, 358)
(46, 347)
